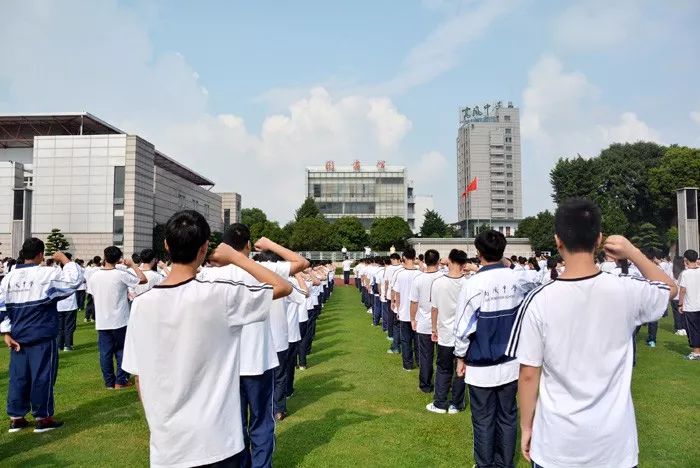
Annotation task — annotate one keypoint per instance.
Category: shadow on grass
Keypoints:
(82, 418)
(300, 440)
(680, 348)
(313, 387)
(321, 357)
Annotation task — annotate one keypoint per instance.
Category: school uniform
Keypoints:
(295, 303)
(392, 325)
(80, 293)
(578, 331)
(183, 342)
(402, 285)
(486, 311)
(154, 279)
(690, 280)
(67, 312)
(443, 297)
(420, 294)
(28, 298)
(381, 312)
(346, 271)
(110, 290)
(304, 329)
(90, 300)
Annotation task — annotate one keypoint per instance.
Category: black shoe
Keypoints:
(17, 425)
(47, 424)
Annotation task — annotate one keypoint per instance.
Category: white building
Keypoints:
(97, 184)
(488, 149)
(230, 208)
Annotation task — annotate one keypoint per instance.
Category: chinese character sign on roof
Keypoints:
(330, 166)
(356, 165)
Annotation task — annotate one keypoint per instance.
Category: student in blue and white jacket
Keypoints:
(486, 311)
(28, 298)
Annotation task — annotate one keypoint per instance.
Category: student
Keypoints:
(678, 318)
(392, 324)
(183, 344)
(443, 310)
(110, 289)
(258, 347)
(68, 311)
(90, 302)
(295, 304)
(149, 267)
(486, 311)
(305, 320)
(347, 264)
(421, 321)
(402, 306)
(689, 302)
(380, 284)
(573, 340)
(652, 327)
(80, 293)
(541, 260)
(28, 297)
(605, 263)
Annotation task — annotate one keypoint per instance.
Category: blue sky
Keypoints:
(249, 93)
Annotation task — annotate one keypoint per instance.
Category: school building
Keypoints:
(99, 185)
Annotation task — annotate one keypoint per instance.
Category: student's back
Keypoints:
(110, 288)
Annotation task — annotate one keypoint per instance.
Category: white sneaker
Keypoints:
(434, 409)
(693, 357)
(369, 311)
(683, 332)
(452, 410)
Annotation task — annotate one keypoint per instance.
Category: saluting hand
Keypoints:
(263, 244)
(619, 247)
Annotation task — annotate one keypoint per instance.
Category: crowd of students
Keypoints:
(557, 333)
(213, 341)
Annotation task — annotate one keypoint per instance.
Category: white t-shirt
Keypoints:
(443, 296)
(183, 343)
(88, 273)
(304, 311)
(402, 285)
(420, 293)
(378, 279)
(71, 275)
(294, 303)
(346, 265)
(110, 289)
(83, 285)
(607, 266)
(390, 276)
(278, 311)
(690, 280)
(580, 333)
(154, 279)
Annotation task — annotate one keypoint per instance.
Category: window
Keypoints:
(510, 192)
(509, 139)
(507, 231)
(317, 190)
(509, 184)
(508, 130)
(18, 211)
(509, 174)
(227, 217)
(181, 201)
(509, 166)
(506, 118)
(509, 157)
(510, 210)
(691, 199)
(119, 179)
(509, 148)
(510, 202)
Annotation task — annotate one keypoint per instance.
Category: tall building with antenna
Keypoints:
(488, 150)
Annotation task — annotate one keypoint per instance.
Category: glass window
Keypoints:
(18, 211)
(119, 179)
(508, 130)
(506, 118)
(317, 190)
(227, 217)
(691, 197)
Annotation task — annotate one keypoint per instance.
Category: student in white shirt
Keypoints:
(306, 320)
(149, 267)
(392, 325)
(296, 311)
(421, 321)
(347, 263)
(183, 345)
(80, 293)
(109, 287)
(378, 281)
(92, 267)
(258, 346)
(486, 311)
(68, 311)
(573, 339)
(402, 306)
(443, 303)
(689, 302)
(678, 318)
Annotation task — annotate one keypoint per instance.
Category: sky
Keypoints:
(250, 93)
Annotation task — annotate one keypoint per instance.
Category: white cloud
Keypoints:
(431, 169)
(629, 130)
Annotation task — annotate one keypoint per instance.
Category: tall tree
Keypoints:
(350, 233)
(56, 242)
(251, 216)
(539, 230)
(574, 178)
(386, 232)
(647, 236)
(308, 209)
(434, 225)
(311, 234)
(679, 167)
(614, 220)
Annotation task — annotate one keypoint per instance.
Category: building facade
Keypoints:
(97, 184)
(516, 246)
(361, 190)
(488, 149)
(230, 208)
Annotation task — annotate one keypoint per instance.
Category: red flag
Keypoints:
(473, 185)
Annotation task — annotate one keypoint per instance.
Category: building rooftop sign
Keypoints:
(356, 165)
(330, 166)
(483, 113)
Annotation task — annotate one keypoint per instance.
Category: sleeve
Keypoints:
(282, 269)
(468, 304)
(681, 281)
(394, 282)
(130, 358)
(529, 280)
(65, 282)
(527, 337)
(297, 296)
(433, 297)
(128, 279)
(5, 325)
(650, 299)
(246, 303)
(414, 291)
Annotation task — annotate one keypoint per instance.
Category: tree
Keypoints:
(311, 234)
(251, 216)
(574, 178)
(386, 232)
(215, 238)
(672, 239)
(614, 220)
(56, 242)
(484, 227)
(647, 236)
(679, 167)
(308, 209)
(350, 233)
(434, 225)
(539, 230)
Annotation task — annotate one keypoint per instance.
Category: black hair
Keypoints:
(691, 255)
(678, 266)
(395, 256)
(601, 257)
(148, 256)
(458, 256)
(79, 261)
(421, 257)
(268, 257)
(649, 252)
(514, 258)
(49, 262)
(112, 254)
(68, 255)
(237, 236)
(522, 260)
(534, 264)
(136, 258)
(491, 245)
(624, 265)
(31, 248)
(552, 267)
(186, 232)
(96, 260)
(387, 260)
(538, 253)
(409, 253)
(577, 223)
(432, 257)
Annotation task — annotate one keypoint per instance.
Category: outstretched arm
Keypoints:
(298, 263)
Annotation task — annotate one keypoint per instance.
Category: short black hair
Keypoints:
(394, 256)
(409, 253)
(421, 257)
(538, 253)
(68, 255)
(113, 254)
(522, 260)
(691, 255)
(268, 257)
(237, 235)
(79, 261)
(458, 256)
(31, 248)
(649, 252)
(148, 255)
(185, 232)
(96, 260)
(491, 245)
(432, 257)
(136, 258)
(577, 222)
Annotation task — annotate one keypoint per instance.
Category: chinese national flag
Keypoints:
(473, 185)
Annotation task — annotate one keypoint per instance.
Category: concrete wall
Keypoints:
(516, 246)
(138, 195)
(7, 182)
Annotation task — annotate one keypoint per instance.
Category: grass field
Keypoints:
(354, 406)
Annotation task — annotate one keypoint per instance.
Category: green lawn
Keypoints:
(354, 406)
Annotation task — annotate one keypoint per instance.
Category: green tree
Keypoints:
(308, 209)
(434, 225)
(251, 216)
(311, 234)
(215, 239)
(574, 178)
(614, 220)
(679, 167)
(482, 228)
(350, 233)
(539, 230)
(647, 236)
(672, 239)
(56, 242)
(386, 232)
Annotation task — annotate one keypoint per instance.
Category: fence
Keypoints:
(336, 256)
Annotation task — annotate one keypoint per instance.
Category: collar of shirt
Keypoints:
(492, 266)
(25, 265)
